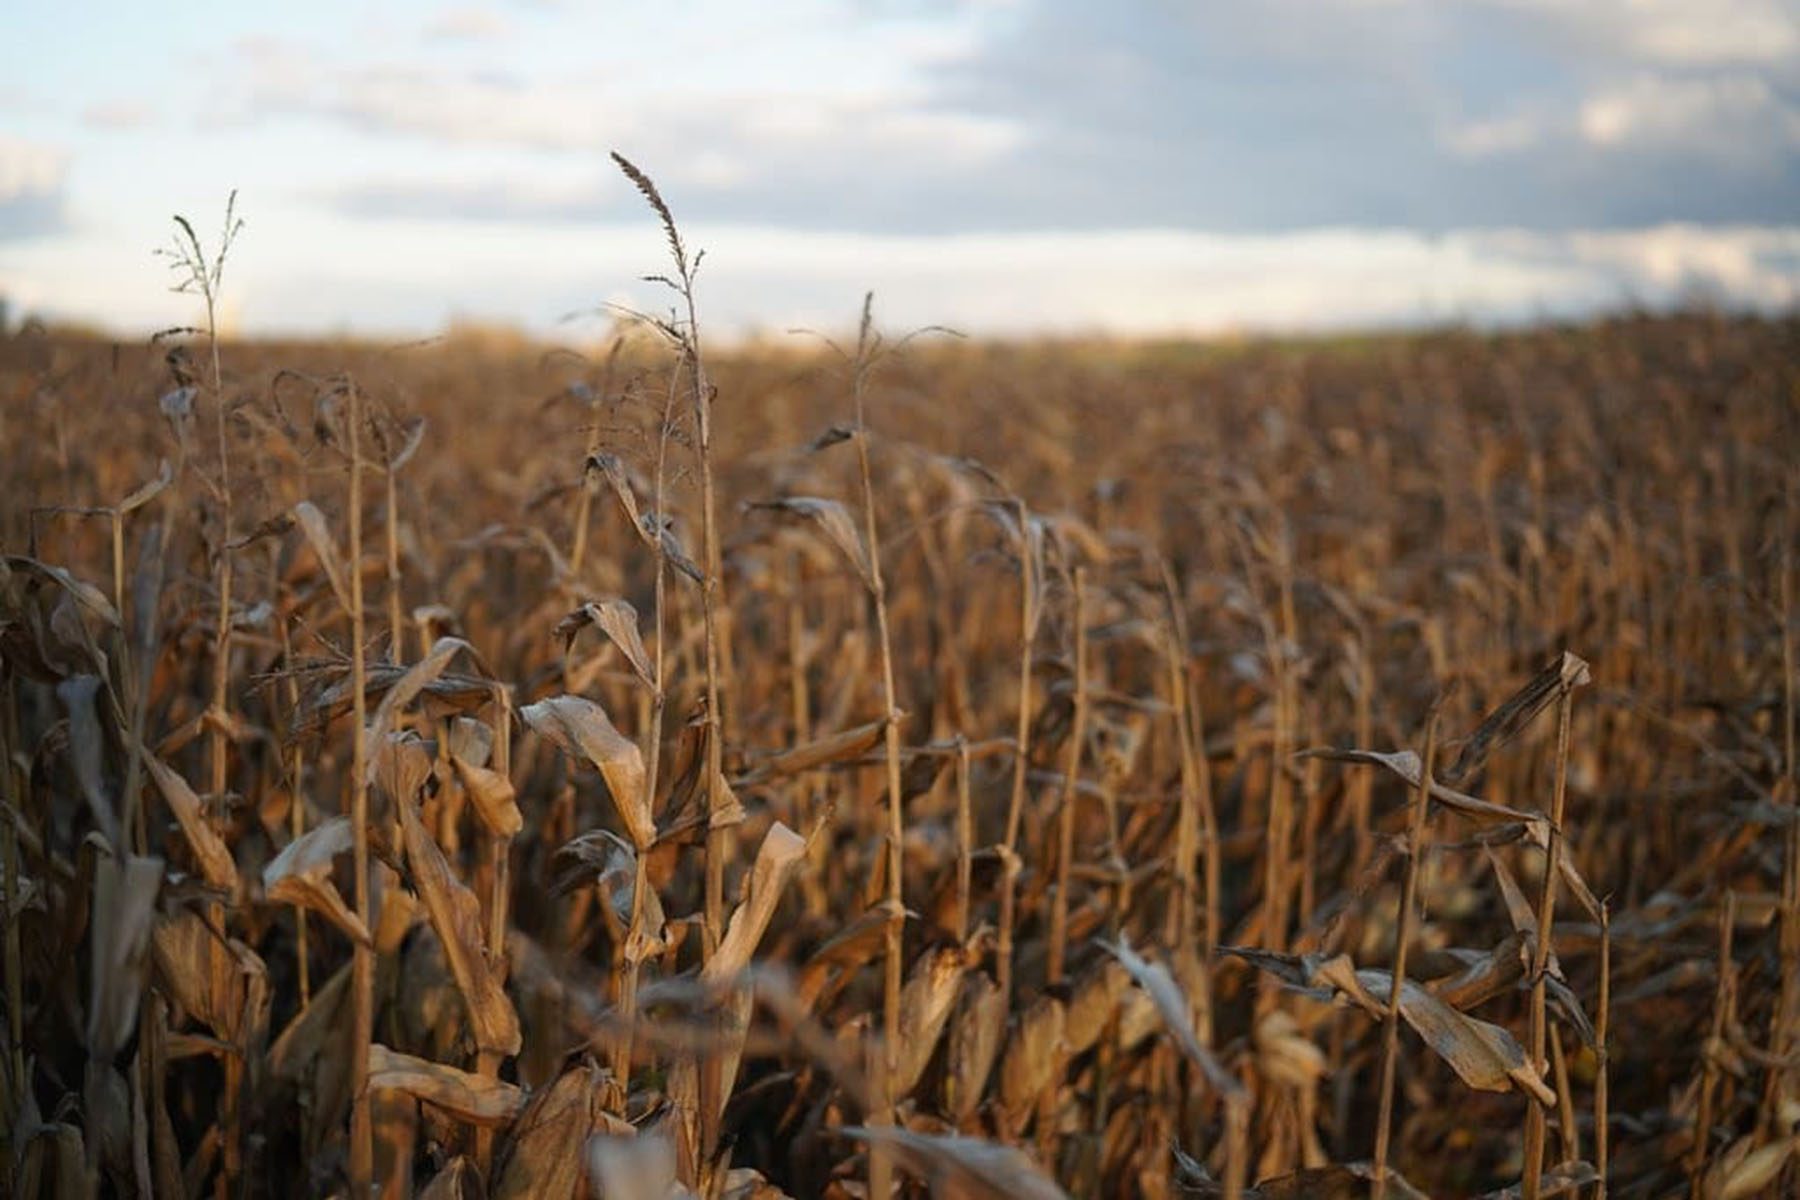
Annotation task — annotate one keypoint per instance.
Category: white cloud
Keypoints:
(1497, 136)
(118, 115)
(1678, 33)
(1723, 113)
(29, 169)
(467, 24)
(406, 278)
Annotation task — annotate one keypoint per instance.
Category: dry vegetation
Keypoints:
(1000, 771)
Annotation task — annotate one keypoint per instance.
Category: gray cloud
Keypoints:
(1220, 116)
(33, 189)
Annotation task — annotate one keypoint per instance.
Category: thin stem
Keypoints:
(362, 980)
(1530, 1185)
(652, 752)
(1602, 1023)
(1390, 1029)
(965, 840)
(880, 1165)
(1065, 827)
(1015, 807)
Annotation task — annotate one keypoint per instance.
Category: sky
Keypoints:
(1005, 167)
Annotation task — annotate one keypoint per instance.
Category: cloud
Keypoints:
(33, 188)
(414, 277)
(467, 24)
(1736, 115)
(118, 115)
(1675, 33)
(1060, 114)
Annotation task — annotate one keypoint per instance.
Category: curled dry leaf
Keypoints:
(459, 1180)
(1178, 1014)
(612, 469)
(544, 1156)
(1405, 764)
(217, 866)
(780, 853)
(476, 1099)
(609, 862)
(1094, 1004)
(833, 520)
(318, 536)
(581, 728)
(165, 475)
(301, 874)
(837, 747)
(1484, 1056)
(618, 620)
(456, 916)
(496, 801)
(406, 688)
(1283, 1051)
(1513, 715)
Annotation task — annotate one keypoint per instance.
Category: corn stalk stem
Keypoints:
(880, 1162)
(362, 978)
(1390, 1029)
(1530, 1185)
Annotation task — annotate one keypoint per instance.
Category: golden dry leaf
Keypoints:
(1094, 1004)
(618, 620)
(1484, 1056)
(926, 1003)
(833, 520)
(145, 493)
(404, 689)
(459, 1180)
(476, 1099)
(1178, 1014)
(301, 874)
(1034, 1054)
(1745, 1169)
(1513, 715)
(217, 866)
(611, 468)
(1405, 764)
(975, 1038)
(496, 801)
(544, 1158)
(581, 728)
(1284, 1053)
(456, 916)
(318, 536)
(837, 747)
(781, 851)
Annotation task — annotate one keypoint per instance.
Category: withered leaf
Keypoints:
(301, 874)
(581, 728)
(456, 916)
(477, 1099)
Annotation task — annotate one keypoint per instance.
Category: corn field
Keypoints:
(900, 765)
